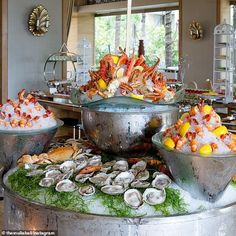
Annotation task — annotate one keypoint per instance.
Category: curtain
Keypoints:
(68, 6)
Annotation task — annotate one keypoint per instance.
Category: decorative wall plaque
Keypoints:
(195, 30)
(39, 21)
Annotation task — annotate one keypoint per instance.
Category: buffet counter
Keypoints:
(66, 112)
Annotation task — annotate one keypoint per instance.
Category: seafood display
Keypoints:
(120, 75)
(200, 131)
(112, 177)
(25, 113)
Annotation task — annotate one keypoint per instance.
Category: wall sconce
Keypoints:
(195, 30)
(39, 21)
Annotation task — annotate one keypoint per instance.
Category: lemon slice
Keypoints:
(120, 72)
(184, 115)
(207, 109)
(115, 58)
(168, 142)
(184, 128)
(205, 149)
(220, 131)
(140, 68)
(102, 84)
(137, 96)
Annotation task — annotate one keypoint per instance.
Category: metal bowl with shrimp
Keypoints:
(204, 177)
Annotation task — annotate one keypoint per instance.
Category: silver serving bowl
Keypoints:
(123, 125)
(15, 143)
(204, 177)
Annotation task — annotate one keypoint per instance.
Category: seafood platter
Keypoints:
(78, 187)
(130, 76)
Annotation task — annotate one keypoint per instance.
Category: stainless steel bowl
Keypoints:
(15, 143)
(204, 177)
(124, 125)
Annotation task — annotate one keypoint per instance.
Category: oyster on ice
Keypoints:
(81, 178)
(139, 166)
(67, 166)
(52, 167)
(121, 165)
(161, 181)
(46, 182)
(55, 174)
(133, 198)
(143, 175)
(124, 178)
(100, 179)
(95, 161)
(140, 184)
(113, 189)
(81, 163)
(66, 186)
(35, 172)
(86, 191)
(153, 196)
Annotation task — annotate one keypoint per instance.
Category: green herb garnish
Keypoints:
(173, 201)
(29, 188)
(115, 204)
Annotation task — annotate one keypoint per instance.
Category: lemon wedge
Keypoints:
(184, 115)
(184, 128)
(120, 72)
(207, 109)
(220, 131)
(137, 96)
(102, 84)
(115, 58)
(205, 149)
(140, 68)
(168, 142)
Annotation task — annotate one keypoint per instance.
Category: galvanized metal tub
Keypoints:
(121, 125)
(15, 143)
(21, 214)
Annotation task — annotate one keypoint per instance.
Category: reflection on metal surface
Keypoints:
(122, 128)
(39, 21)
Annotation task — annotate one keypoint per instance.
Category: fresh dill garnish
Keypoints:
(173, 201)
(115, 204)
(29, 188)
(25, 186)
(233, 184)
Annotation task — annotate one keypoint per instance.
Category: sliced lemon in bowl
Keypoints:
(221, 130)
(207, 109)
(184, 128)
(137, 96)
(206, 149)
(169, 143)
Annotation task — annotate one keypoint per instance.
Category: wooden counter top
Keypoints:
(61, 106)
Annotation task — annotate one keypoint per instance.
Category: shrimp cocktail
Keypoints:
(25, 127)
(200, 152)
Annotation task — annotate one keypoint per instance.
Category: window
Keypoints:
(159, 30)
